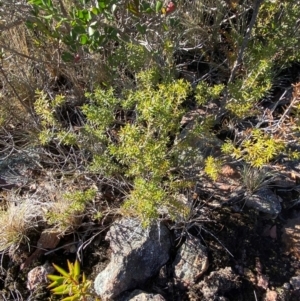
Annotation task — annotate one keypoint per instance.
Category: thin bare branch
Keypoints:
(245, 41)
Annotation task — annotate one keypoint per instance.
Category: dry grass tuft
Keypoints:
(254, 179)
(63, 216)
(17, 220)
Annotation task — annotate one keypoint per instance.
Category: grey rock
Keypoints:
(295, 282)
(38, 276)
(14, 169)
(191, 261)
(217, 283)
(265, 201)
(286, 286)
(137, 255)
(139, 295)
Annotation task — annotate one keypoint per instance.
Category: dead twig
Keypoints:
(246, 39)
(22, 102)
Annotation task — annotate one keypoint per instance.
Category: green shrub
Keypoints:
(51, 127)
(204, 93)
(273, 44)
(136, 145)
(213, 167)
(17, 221)
(141, 146)
(89, 26)
(257, 149)
(67, 212)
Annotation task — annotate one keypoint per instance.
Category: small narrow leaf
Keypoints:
(48, 17)
(29, 24)
(141, 28)
(95, 10)
(61, 290)
(55, 278)
(83, 39)
(55, 283)
(83, 278)
(133, 9)
(70, 266)
(71, 298)
(76, 269)
(158, 6)
(67, 57)
(61, 270)
(102, 4)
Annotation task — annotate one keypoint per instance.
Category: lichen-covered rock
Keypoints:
(139, 295)
(15, 170)
(217, 283)
(295, 282)
(137, 255)
(265, 201)
(38, 276)
(191, 261)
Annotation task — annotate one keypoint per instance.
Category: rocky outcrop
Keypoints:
(137, 255)
(191, 261)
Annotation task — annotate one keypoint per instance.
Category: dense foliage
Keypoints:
(103, 92)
